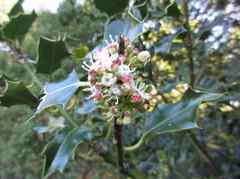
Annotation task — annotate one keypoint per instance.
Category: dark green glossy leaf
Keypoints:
(164, 45)
(17, 9)
(111, 7)
(19, 26)
(130, 29)
(151, 164)
(211, 85)
(60, 92)
(50, 55)
(17, 93)
(176, 117)
(218, 20)
(171, 10)
(61, 149)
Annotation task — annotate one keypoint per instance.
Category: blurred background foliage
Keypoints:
(196, 46)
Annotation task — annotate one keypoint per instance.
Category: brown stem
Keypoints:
(118, 142)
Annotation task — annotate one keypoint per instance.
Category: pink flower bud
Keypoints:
(113, 110)
(98, 95)
(140, 101)
(144, 56)
(147, 106)
(136, 51)
(135, 110)
(127, 113)
(130, 92)
(126, 78)
(126, 86)
(92, 80)
(97, 86)
(92, 72)
(114, 67)
(111, 49)
(122, 57)
(126, 41)
(117, 60)
(131, 46)
(135, 98)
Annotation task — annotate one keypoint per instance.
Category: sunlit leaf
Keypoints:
(19, 26)
(60, 92)
(130, 29)
(61, 149)
(50, 55)
(111, 7)
(17, 9)
(178, 116)
(17, 93)
(218, 20)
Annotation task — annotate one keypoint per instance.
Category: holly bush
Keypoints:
(157, 97)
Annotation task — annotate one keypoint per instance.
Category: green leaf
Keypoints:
(19, 26)
(111, 7)
(50, 55)
(218, 20)
(130, 29)
(17, 9)
(61, 149)
(60, 93)
(17, 93)
(164, 45)
(53, 124)
(176, 117)
(171, 10)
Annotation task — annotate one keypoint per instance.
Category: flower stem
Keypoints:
(134, 147)
(118, 142)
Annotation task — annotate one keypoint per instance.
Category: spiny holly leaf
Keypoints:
(171, 10)
(19, 26)
(17, 93)
(176, 117)
(111, 7)
(164, 45)
(50, 55)
(17, 9)
(61, 92)
(61, 149)
(130, 29)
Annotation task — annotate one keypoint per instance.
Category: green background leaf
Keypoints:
(59, 151)
(17, 9)
(17, 93)
(111, 7)
(176, 117)
(19, 26)
(50, 55)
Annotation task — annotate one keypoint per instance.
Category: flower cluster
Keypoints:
(115, 83)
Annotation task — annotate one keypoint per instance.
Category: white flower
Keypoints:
(108, 79)
(144, 56)
(116, 90)
(123, 70)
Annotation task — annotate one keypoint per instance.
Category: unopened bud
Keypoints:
(98, 95)
(147, 106)
(126, 78)
(135, 110)
(127, 113)
(126, 120)
(126, 86)
(119, 121)
(97, 86)
(114, 67)
(92, 80)
(122, 57)
(92, 72)
(113, 110)
(126, 41)
(136, 51)
(144, 56)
